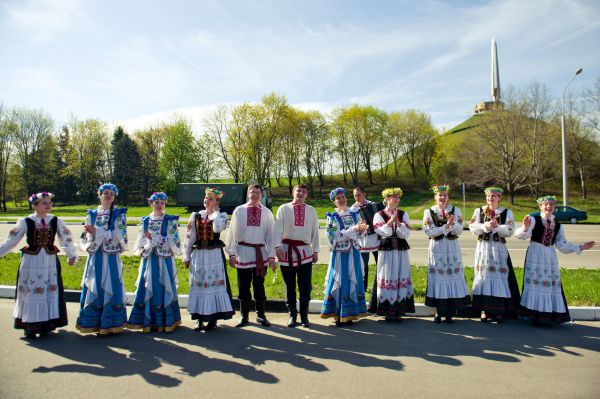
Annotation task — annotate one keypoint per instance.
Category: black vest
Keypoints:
(38, 239)
(206, 227)
(539, 229)
(439, 223)
(494, 236)
(393, 242)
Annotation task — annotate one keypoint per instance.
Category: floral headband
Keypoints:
(388, 192)
(36, 197)
(158, 196)
(108, 186)
(218, 194)
(440, 188)
(335, 192)
(493, 189)
(546, 198)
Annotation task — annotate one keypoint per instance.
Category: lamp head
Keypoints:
(578, 71)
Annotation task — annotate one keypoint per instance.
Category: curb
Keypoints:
(583, 313)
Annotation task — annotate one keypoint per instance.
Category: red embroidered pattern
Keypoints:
(548, 233)
(299, 215)
(253, 216)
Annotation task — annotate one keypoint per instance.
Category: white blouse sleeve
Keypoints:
(66, 239)
(173, 237)
(219, 220)
(140, 242)
(524, 235)
(563, 245)
(507, 229)
(190, 237)
(458, 227)
(475, 226)
(269, 233)
(14, 236)
(381, 227)
(402, 229)
(230, 240)
(429, 227)
(89, 240)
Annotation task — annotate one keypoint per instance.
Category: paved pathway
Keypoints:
(415, 359)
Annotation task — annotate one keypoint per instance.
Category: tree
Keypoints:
(179, 160)
(347, 126)
(223, 126)
(207, 158)
(7, 131)
(414, 129)
(314, 141)
(65, 191)
(126, 166)
(33, 128)
(150, 143)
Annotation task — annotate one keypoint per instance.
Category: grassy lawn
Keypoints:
(582, 286)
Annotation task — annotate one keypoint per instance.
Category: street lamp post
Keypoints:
(564, 140)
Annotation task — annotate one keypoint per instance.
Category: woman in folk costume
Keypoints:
(543, 300)
(210, 293)
(395, 294)
(102, 290)
(40, 301)
(447, 289)
(156, 306)
(344, 291)
(495, 288)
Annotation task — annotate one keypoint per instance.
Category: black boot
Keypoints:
(293, 320)
(199, 326)
(244, 309)
(304, 315)
(260, 314)
(211, 325)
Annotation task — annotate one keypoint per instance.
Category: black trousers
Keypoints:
(247, 277)
(303, 275)
(365, 258)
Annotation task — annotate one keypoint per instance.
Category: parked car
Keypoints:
(566, 214)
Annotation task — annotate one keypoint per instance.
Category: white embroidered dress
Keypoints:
(542, 286)
(208, 288)
(446, 276)
(491, 257)
(394, 282)
(37, 287)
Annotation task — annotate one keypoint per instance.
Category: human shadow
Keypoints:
(140, 354)
(375, 343)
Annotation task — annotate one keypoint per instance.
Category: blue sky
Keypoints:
(139, 62)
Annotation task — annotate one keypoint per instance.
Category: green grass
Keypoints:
(582, 286)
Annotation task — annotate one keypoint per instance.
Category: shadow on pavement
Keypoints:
(367, 343)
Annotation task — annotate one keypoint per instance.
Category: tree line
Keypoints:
(516, 146)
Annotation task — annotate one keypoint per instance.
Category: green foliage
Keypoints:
(126, 167)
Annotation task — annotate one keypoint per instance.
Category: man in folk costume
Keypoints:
(250, 247)
(297, 247)
(367, 210)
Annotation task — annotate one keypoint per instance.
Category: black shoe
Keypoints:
(292, 322)
(211, 325)
(437, 319)
(449, 320)
(398, 319)
(242, 322)
(29, 334)
(199, 326)
(349, 322)
(338, 323)
(304, 320)
(389, 319)
(499, 319)
(262, 320)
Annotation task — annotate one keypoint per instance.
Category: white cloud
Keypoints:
(40, 20)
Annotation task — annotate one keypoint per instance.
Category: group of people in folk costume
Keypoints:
(256, 240)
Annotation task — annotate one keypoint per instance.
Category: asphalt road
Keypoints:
(419, 246)
(416, 359)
